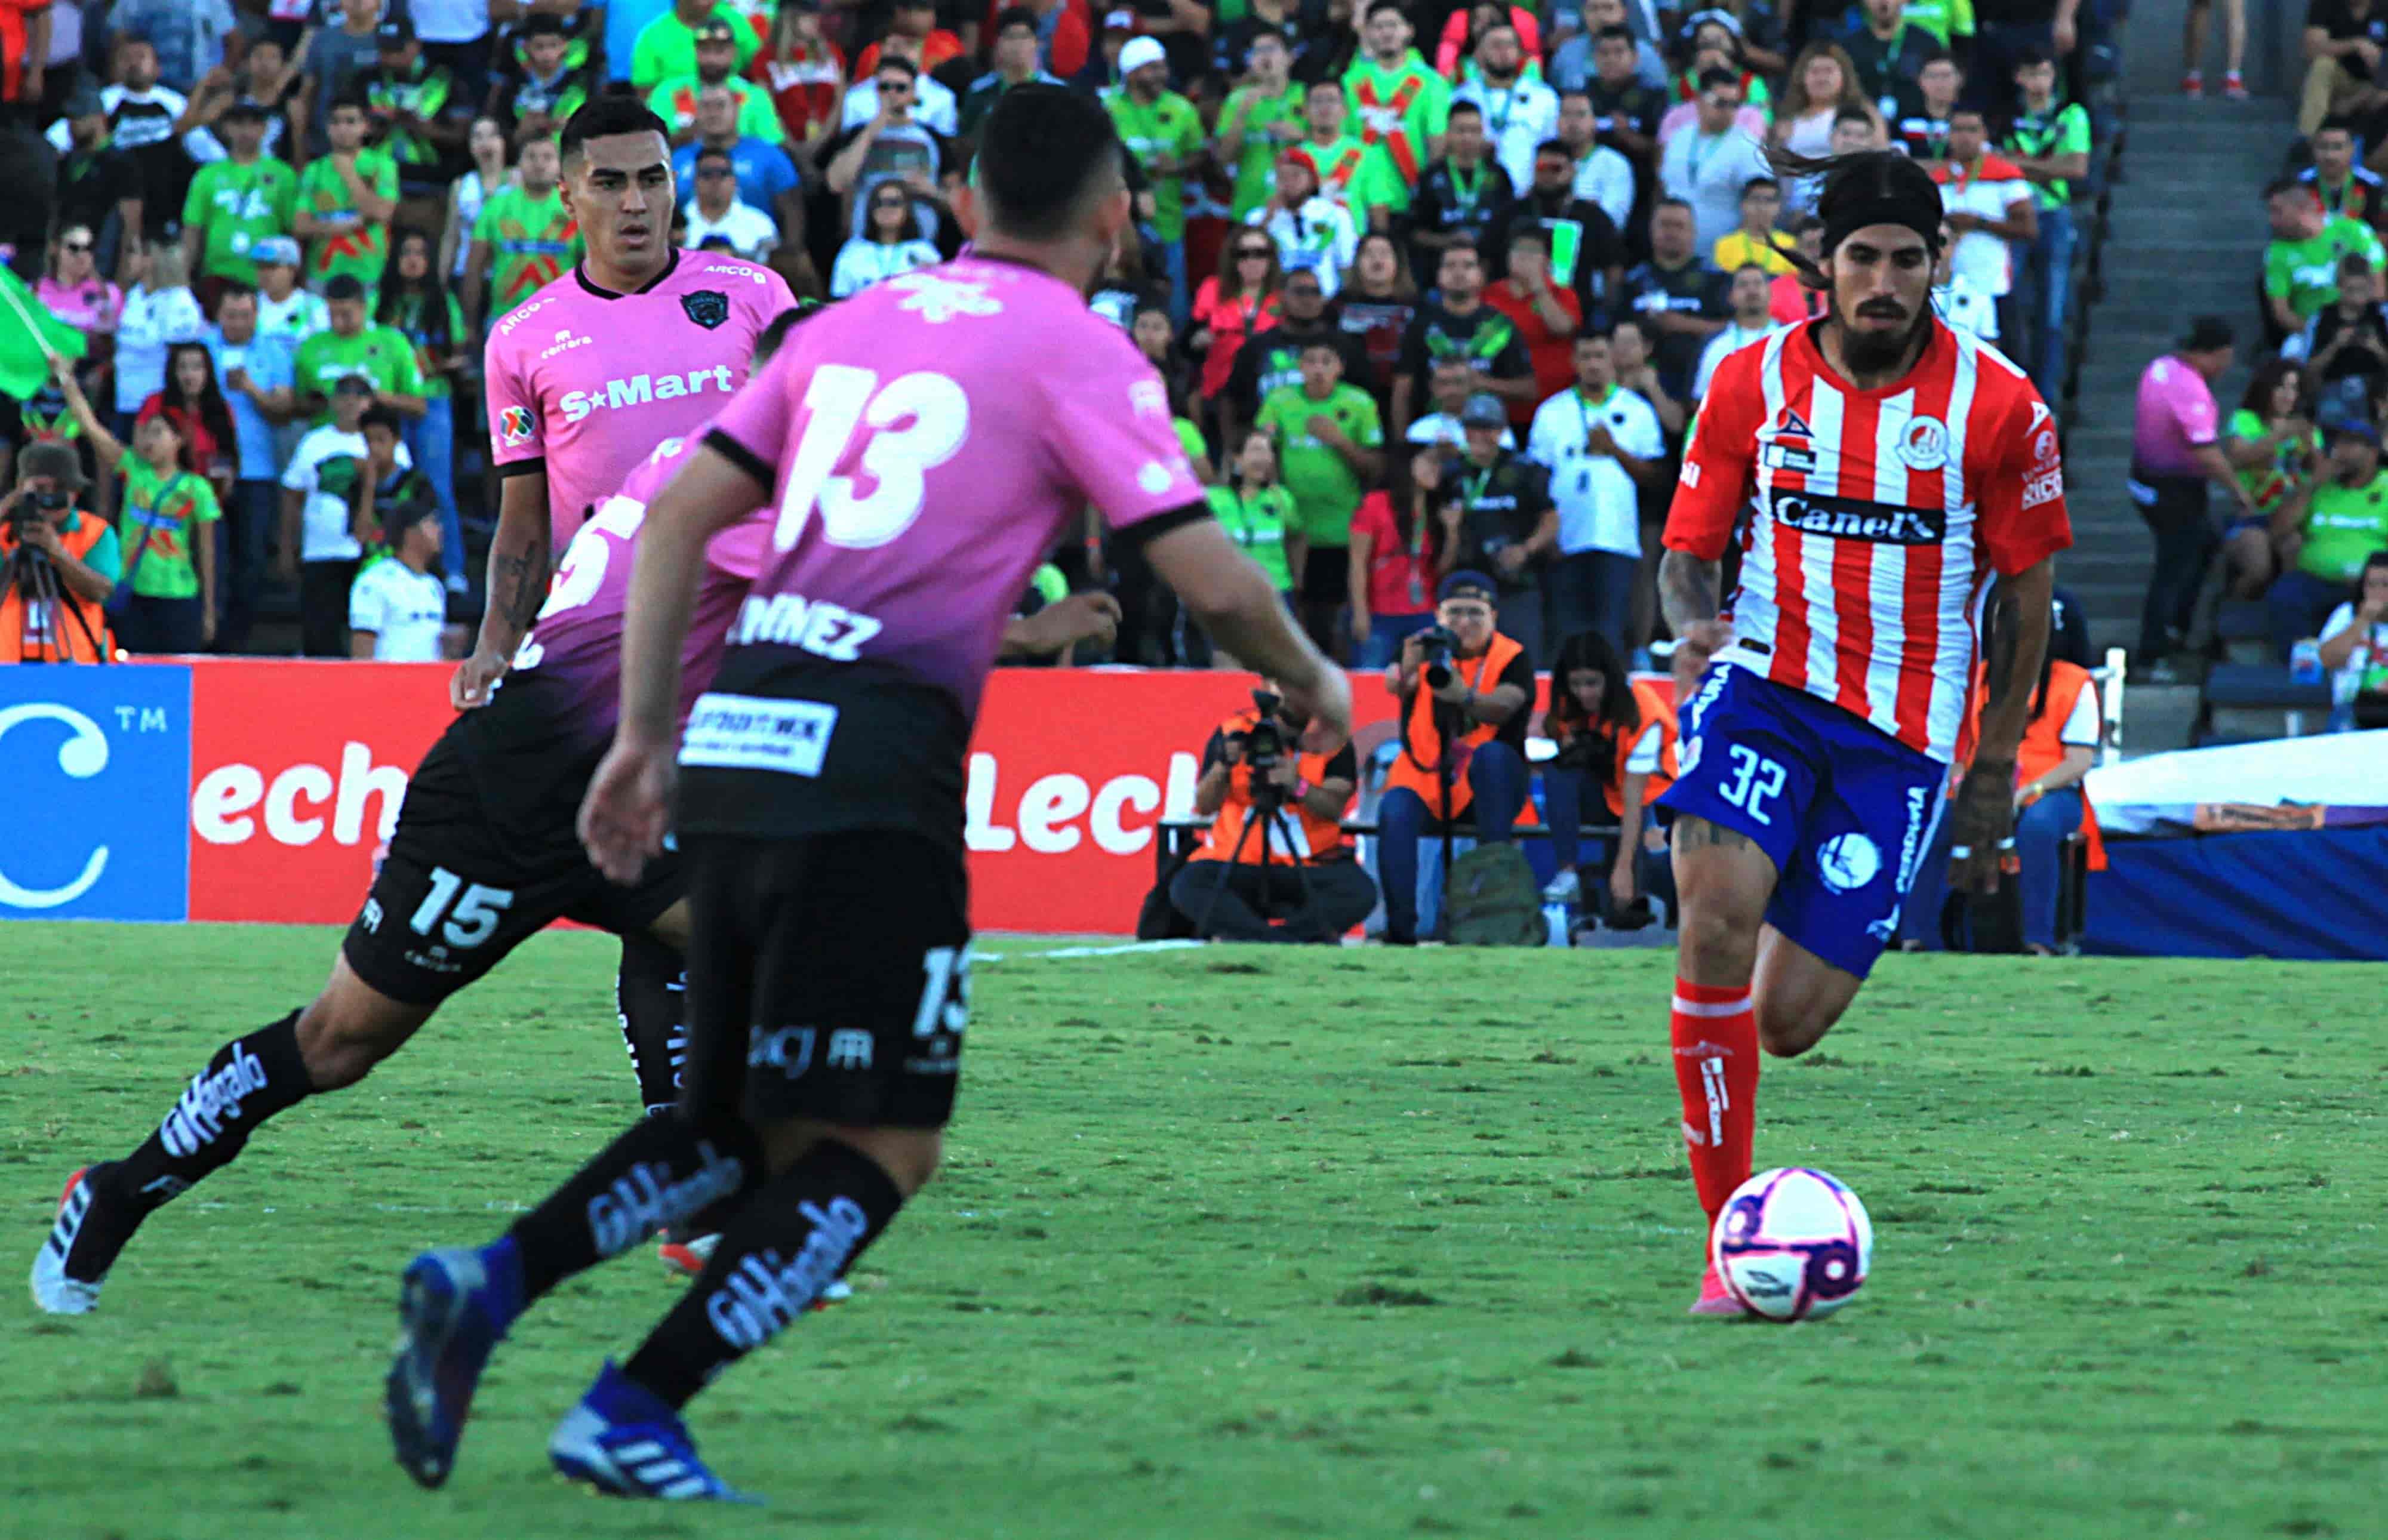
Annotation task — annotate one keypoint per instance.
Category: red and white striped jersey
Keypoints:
(1869, 520)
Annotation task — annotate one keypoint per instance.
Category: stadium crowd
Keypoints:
(1435, 287)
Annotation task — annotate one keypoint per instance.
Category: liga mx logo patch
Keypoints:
(515, 425)
(707, 307)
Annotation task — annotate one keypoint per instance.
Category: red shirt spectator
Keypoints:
(205, 452)
(1401, 572)
(1455, 46)
(804, 72)
(1523, 297)
(938, 47)
(1788, 300)
(1232, 317)
(25, 46)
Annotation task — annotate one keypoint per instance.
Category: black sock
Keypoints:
(649, 997)
(249, 1080)
(663, 1170)
(804, 1229)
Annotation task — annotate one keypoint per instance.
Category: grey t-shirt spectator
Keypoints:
(188, 34)
(335, 61)
(1709, 172)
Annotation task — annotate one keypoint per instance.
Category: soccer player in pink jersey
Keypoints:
(921, 446)
(1878, 469)
(639, 343)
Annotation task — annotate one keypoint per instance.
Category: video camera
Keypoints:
(1436, 648)
(1265, 742)
(34, 505)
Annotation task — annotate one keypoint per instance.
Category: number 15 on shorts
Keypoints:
(1754, 781)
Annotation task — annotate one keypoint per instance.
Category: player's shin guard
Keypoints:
(790, 1241)
(1715, 1037)
(660, 1172)
(649, 996)
(249, 1080)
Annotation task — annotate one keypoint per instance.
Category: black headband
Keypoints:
(1915, 208)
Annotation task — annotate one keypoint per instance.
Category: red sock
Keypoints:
(1716, 1069)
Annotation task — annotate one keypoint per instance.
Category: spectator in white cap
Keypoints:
(1163, 132)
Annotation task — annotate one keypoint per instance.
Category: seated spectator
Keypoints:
(168, 603)
(1281, 870)
(673, 100)
(2059, 747)
(236, 202)
(891, 245)
(1240, 300)
(2326, 530)
(1502, 521)
(325, 523)
(1601, 176)
(1755, 242)
(550, 89)
(1311, 233)
(43, 511)
(2301, 263)
(1788, 297)
(2355, 649)
(1991, 208)
(524, 237)
(1822, 86)
(2274, 447)
(666, 48)
(719, 219)
(202, 418)
(351, 347)
(1960, 301)
(1923, 124)
(1888, 53)
(404, 609)
(254, 371)
(2174, 461)
(1473, 707)
(1750, 292)
(804, 72)
(1707, 167)
(158, 310)
(2343, 187)
(1466, 194)
(913, 23)
(1680, 301)
(100, 184)
(2343, 40)
(1399, 553)
(346, 199)
(416, 304)
(1331, 445)
(1619, 737)
(1258, 512)
(1547, 316)
(2348, 338)
(1450, 384)
(1603, 448)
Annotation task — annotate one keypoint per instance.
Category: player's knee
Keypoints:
(1715, 939)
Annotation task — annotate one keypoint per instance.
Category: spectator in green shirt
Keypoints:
(666, 48)
(523, 238)
(674, 99)
(350, 346)
(170, 562)
(2049, 142)
(1163, 132)
(1330, 443)
(1264, 117)
(346, 199)
(1258, 514)
(234, 203)
(416, 304)
(2301, 265)
(2326, 530)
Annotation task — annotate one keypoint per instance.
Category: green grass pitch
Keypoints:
(1236, 1242)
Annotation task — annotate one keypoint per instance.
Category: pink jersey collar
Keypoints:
(580, 273)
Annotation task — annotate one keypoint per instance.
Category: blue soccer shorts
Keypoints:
(1845, 811)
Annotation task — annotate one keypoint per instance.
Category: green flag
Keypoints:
(28, 335)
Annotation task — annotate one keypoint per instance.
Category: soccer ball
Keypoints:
(1792, 1244)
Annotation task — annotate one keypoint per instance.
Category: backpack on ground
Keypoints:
(1491, 899)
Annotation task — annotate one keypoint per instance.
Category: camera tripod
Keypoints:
(1268, 806)
(41, 623)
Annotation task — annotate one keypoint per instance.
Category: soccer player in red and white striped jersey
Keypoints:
(1878, 471)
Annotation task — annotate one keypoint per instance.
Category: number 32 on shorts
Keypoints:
(1755, 782)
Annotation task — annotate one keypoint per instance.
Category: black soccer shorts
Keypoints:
(828, 977)
(456, 893)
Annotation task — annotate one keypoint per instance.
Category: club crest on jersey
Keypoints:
(1793, 425)
(515, 425)
(1923, 443)
(707, 307)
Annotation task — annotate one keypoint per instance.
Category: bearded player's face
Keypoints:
(1882, 292)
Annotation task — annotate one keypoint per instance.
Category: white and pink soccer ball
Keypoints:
(1792, 1244)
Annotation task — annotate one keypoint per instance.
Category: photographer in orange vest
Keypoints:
(58, 563)
(1282, 851)
(1468, 690)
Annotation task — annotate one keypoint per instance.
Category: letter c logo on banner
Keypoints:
(81, 756)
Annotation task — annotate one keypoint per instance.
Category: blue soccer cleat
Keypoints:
(625, 1441)
(454, 1307)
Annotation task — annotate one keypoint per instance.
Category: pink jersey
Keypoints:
(927, 442)
(575, 647)
(2174, 420)
(1869, 520)
(583, 382)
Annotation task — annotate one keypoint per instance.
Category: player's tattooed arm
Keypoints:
(1687, 589)
(1981, 816)
(517, 578)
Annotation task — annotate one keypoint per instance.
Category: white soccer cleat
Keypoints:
(54, 1292)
